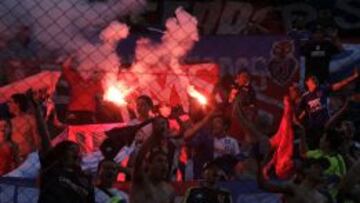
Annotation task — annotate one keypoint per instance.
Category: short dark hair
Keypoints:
(22, 101)
(147, 100)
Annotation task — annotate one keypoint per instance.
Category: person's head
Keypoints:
(107, 173)
(348, 128)
(312, 83)
(67, 155)
(158, 166)
(294, 92)
(18, 103)
(161, 126)
(144, 105)
(243, 78)
(331, 140)
(210, 173)
(220, 124)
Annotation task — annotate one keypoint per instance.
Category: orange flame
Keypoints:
(197, 95)
(116, 94)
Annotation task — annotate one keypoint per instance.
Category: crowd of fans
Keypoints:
(224, 141)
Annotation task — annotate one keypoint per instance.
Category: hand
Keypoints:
(232, 95)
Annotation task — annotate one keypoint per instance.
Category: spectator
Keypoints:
(105, 190)
(22, 134)
(349, 187)
(208, 143)
(62, 179)
(83, 94)
(306, 190)
(245, 94)
(150, 171)
(208, 192)
(329, 146)
(314, 106)
(318, 52)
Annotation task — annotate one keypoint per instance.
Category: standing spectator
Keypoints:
(105, 190)
(22, 130)
(150, 171)
(208, 143)
(318, 52)
(208, 192)
(246, 95)
(62, 179)
(306, 191)
(314, 106)
(83, 94)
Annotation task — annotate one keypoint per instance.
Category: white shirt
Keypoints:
(225, 146)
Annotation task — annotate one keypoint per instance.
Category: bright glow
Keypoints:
(116, 94)
(197, 95)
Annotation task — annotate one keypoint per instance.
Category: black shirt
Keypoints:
(207, 195)
(317, 58)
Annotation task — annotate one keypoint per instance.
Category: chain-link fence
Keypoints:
(87, 63)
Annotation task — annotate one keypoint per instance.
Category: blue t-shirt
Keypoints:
(315, 106)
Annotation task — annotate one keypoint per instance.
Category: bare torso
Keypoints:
(151, 193)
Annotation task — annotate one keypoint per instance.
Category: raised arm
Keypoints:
(42, 131)
(249, 127)
(341, 84)
(337, 115)
(151, 142)
(190, 133)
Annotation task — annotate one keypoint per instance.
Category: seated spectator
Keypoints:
(208, 192)
(105, 190)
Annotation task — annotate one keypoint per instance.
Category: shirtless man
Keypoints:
(23, 135)
(151, 169)
(306, 191)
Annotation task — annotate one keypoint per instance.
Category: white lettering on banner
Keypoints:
(208, 15)
(290, 12)
(235, 18)
(348, 7)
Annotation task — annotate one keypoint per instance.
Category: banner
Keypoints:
(272, 62)
(89, 137)
(46, 80)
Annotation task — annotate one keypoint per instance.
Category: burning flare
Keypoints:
(197, 95)
(116, 94)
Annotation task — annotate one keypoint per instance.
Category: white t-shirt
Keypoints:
(102, 197)
(225, 146)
